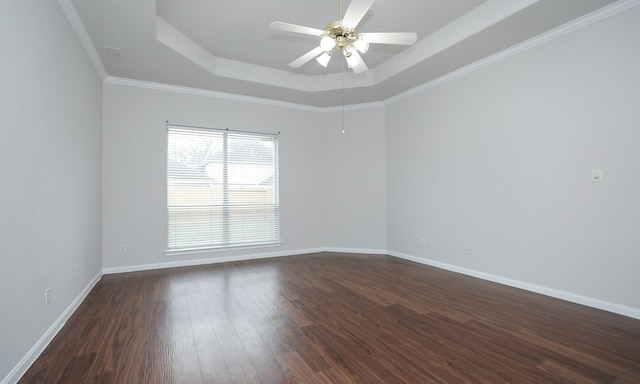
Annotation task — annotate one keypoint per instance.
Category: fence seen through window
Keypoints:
(222, 188)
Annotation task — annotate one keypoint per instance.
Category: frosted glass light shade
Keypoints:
(327, 43)
(362, 45)
(324, 59)
(353, 61)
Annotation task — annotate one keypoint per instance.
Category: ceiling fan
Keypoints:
(342, 35)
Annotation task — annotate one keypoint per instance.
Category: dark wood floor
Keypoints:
(332, 318)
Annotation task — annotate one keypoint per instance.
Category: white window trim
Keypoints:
(233, 246)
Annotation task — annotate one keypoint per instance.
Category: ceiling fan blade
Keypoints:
(360, 67)
(400, 38)
(300, 61)
(279, 25)
(356, 11)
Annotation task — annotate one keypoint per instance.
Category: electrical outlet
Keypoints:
(47, 296)
(469, 250)
(287, 236)
(423, 241)
(77, 270)
(596, 176)
(123, 248)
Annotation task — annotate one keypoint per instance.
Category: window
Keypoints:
(222, 188)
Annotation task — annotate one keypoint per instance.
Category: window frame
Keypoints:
(226, 243)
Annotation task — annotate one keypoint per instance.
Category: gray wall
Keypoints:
(500, 160)
(50, 172)
(332, 185)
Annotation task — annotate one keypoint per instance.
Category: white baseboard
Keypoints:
(37, 349)
(567, 296)
(212, 260)
(357, 250)
(227, 259)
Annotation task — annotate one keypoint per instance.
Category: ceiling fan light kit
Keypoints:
(343, 36)
(324, 59)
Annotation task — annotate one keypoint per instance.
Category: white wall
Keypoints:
(315, 160)
(500, 160)
(50, 173)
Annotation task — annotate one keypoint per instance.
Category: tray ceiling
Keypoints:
(227, 46)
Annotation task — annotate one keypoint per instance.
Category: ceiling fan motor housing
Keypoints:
(342, 35)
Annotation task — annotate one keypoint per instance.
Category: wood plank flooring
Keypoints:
(332, 318)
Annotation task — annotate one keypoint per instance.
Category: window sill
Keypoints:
(192, 251)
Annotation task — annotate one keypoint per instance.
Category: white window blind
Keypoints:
(222, 188)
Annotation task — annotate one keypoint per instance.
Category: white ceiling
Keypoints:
(227, 46)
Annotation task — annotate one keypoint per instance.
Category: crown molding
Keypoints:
(480, 18)
(589, 19)
(234, 97)
(81, 32)
(207, 93)
(572, 26)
